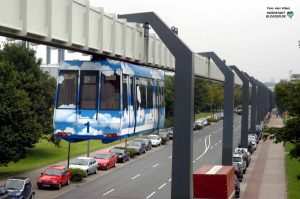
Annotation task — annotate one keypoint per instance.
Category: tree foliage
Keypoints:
(26, 108)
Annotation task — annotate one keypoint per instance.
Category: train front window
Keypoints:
(67, 89)
(110, 92)
(88, 89)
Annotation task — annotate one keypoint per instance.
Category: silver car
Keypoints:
(238, 159)
(89, 165)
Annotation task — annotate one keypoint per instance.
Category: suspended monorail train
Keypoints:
(107, 100)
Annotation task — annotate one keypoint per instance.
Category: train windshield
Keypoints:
(67, 89)
(110, 92)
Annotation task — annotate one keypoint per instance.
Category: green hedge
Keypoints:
(212, 120)
(132, 152)
(77, 174)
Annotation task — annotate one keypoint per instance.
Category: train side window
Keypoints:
(110, 92)
(67, 89)
(149, 95)
(125, 96)
(88, 89)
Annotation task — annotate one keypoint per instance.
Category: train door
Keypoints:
(141, 101)
(156, 105)
(132, 105)
(88, 103)
(125, 122)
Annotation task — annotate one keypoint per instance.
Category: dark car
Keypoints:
(140, 147)
(20, 188)
(170, 133)
(237, 187)
(4, 193)
(238, 170)
(250, 147)
(122, 153)
(164, 134)
(146, 142)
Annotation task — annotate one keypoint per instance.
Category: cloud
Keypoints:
(92, 131)
(113, 61)
(60, 79)
(66, 65)
(91, 65)
(107, 120)
(126, 69)
(107, 70)
(140, 116)
(65, 115)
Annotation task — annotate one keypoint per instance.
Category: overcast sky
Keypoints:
(237, 30)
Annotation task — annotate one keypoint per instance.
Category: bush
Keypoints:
(164, 140)
(77, 174)
(132, 152)
(212, 120)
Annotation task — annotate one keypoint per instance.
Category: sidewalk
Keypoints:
(266, 175)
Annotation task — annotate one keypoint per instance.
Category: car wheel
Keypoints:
(244, 171)
(123, 160)
(59, 186)
(39, 187)
(68, 182)
(114, 165)
(106, 168)
(96, 171)
(86, 174)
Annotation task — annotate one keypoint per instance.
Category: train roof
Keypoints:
(109, 65)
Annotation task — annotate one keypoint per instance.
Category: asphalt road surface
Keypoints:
(150, 175)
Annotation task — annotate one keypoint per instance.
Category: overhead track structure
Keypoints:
(74, 25)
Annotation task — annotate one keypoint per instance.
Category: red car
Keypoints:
(54, 177)
(106, 160)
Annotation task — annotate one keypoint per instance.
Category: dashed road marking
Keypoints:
(216, 144)
(155, 165)
(134, 177)
(108, 192)
(162, 185)
(170, 156)
(151, 194)
(170, 180)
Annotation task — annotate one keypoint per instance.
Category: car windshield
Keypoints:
(152, 137)
(236, 159)
(102, 156)
(15, 184)
(116, 150)
(134, 144)
(81, 162)
(52, 172)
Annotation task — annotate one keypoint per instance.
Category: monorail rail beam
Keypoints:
(228, 107)
(245, 105)
(182, 165)
(253, 103)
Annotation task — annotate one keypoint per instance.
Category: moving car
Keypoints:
(106, 160)
(121, 153)
(146, 142)
(155, 139)
(20, 188)
(4, 193)
(140, 147)
(89, 165)
(54, 177)
(238, 159)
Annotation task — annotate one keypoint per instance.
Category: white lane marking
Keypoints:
(170, 179)
(155, 165)
(170, 156)
(108, 192)
(216, 144)
(134, 177)
(151, 194)
(162, 185)
(206, 147)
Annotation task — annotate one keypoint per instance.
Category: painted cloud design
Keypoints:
(127, 69)
(107, 120)
(65, 115)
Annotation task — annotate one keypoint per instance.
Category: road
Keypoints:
(150, 175)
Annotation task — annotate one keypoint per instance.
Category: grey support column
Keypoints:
(253, 103)
(259, 102)
(245, 105)
(228, 107)
(182, 164)
(48, 53)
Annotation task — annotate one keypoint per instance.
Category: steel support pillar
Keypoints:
(228, 107)
(259, 102)
(182, 164)
(48, 55)
(245, 105)
(253, 104)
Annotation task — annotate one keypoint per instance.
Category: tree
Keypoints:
(288, 99)
(169, 98)
(26, 108)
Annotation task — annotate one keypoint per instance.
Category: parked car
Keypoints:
(54, 177)
(222, 115)
(106, 160)
(255, 137)
(237, 187)
(146, 142)
(246, 152)
(4, 193)
(258, 131)
(20, 188)
(164, 134)
(238, 159)
(199, 124)
(238, 170)
(122, 154)
(170, 132)
(250, 147)
(140, 147)
(155, 139)
(205, 121)
(89, 165)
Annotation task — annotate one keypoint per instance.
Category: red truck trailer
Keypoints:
(214, 181)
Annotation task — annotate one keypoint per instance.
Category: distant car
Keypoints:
(140, 147)
(20, 188)
(155, 139)
(238, 159)
(170, 132)
(237, 187)
(205, 121)
(250, 147)
(122, 154)
(106, 160)
(258, 131)
(238, 170)
(4, 193)
(164, 134)
(54, 177)
(222, 115)
(251, 136)
(199, 124)
(246, 152)
(89, 165)
(146, 142)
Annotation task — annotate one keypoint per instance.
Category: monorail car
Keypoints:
(107, 100)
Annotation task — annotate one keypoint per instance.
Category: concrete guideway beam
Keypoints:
(245, 105)
(228, 107)
(182, 184)
(253, 104)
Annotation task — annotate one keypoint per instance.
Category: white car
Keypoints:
(252, 140)
(238, 159)
(89, 165)
(155, 139)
